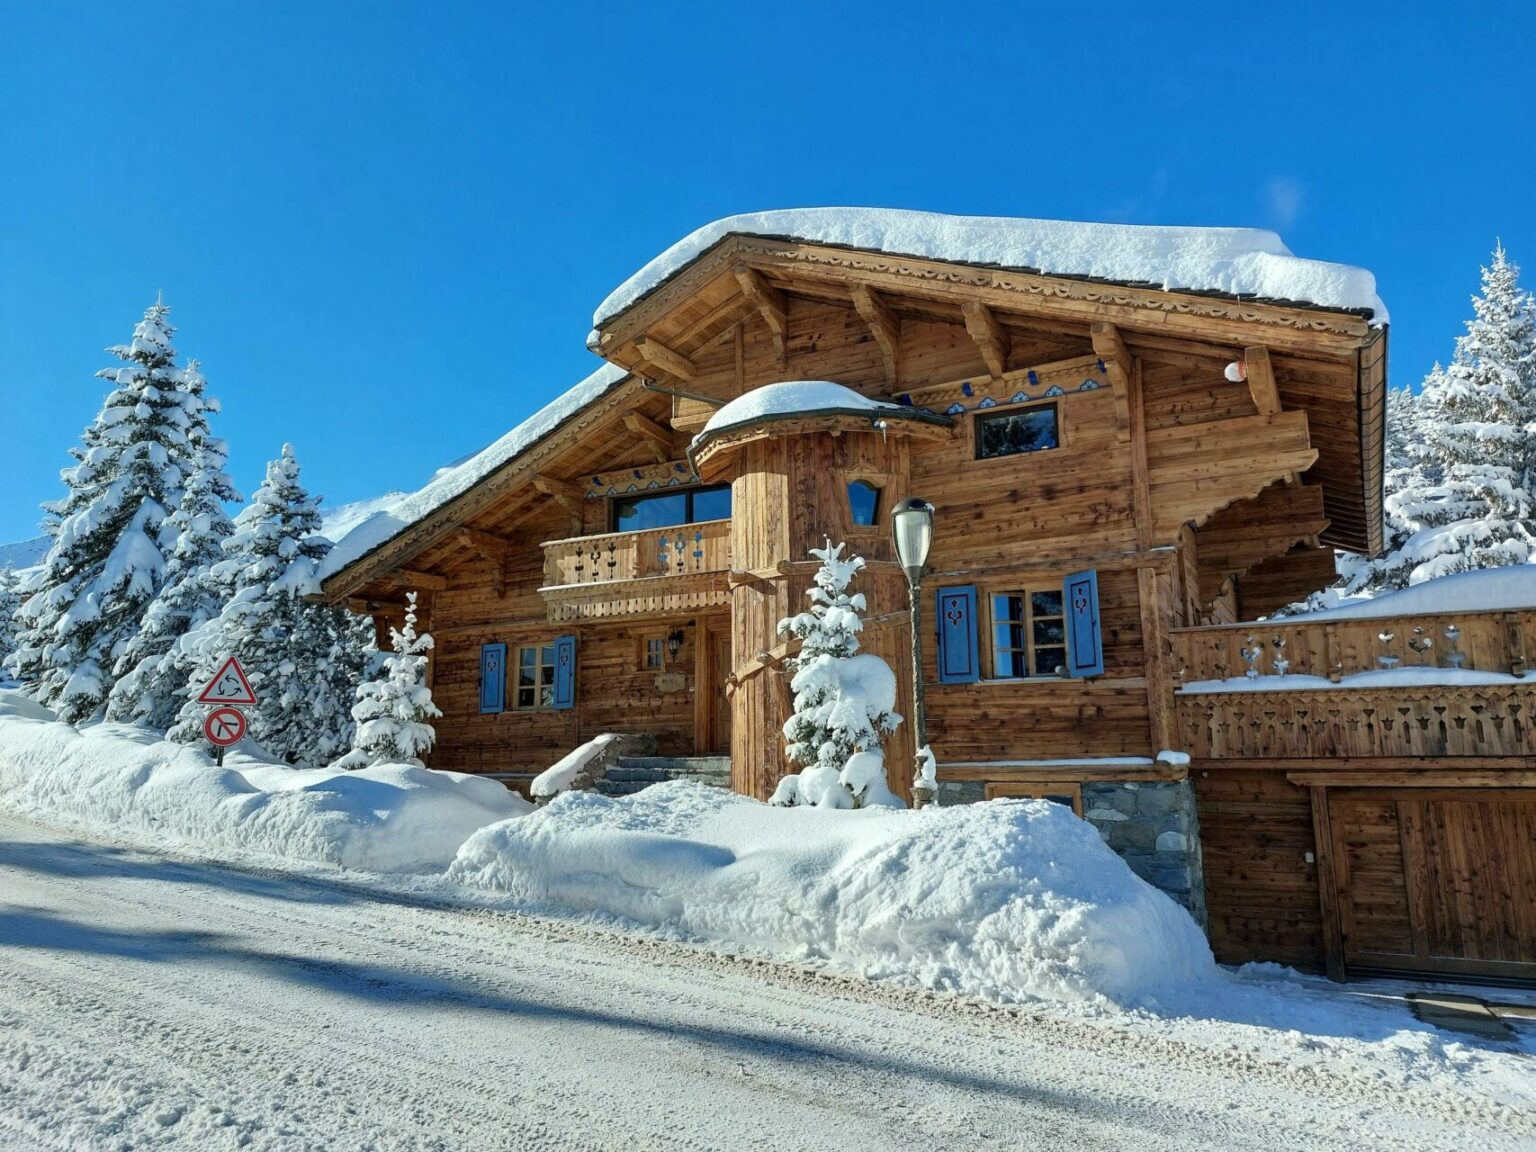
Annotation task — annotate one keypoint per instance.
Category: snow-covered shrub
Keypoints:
(845, 700)
(393, 710)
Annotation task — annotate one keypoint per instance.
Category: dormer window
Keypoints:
(863, 503)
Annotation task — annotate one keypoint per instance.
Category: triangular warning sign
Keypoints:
(228, 686)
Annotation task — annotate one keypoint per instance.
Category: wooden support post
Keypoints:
(1155, 657)
(884, 326)
(1335, 659)
(771, 307)
(990, 339)
(1327, 884)
(1141, 484)
(654, 352)
(430, 581)
(1516, 636)
(657, 438)
(1117, 366)
(1261, 380)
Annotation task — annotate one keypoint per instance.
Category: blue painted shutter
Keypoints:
(958, 658)
(565, 672)
(1085, 640)
(493, 678)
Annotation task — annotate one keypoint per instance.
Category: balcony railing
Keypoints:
(654, 571)
(1429, 685)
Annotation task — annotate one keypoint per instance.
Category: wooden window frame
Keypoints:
(644, 642)
(1037, 789)
(979, 414)
(1026, 592)
(881, 482)
(686, 491)
(515, 669)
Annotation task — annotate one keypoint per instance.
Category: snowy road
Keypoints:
(148, 1001)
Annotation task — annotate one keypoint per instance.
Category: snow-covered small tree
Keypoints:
(10, 607)
(304, 659)
(393, 710)
(85, 602)
(153, 669)
(844, 699)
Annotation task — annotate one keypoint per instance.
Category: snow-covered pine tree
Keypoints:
(844, 699)
(154, 668)
(303, 659)
(106, 563)
(10, 606)
(1401, 470)
(393, 709)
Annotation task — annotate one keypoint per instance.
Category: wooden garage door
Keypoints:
(1434, 880)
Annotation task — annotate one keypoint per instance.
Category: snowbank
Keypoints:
(447, 484)
(560, 775)
(1239, 261)
(1008, 899)
(792, 398)
(127, 781)
(1488, 590)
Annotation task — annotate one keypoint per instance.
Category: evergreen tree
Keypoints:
(10, 608)
(393, 710)
(844, 699)
(303, 658)
(1401, 470)
(106, 563)
(154, 668)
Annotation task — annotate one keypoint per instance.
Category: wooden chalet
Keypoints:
(623, 569)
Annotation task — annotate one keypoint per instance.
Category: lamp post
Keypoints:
(912, 532)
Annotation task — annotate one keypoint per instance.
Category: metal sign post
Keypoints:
(228, 691)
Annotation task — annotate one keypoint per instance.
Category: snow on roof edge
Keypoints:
(449, 484)
(789, 398)
(1238, 262)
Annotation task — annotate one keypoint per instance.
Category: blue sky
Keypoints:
(384, 228)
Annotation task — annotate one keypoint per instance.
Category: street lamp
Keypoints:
(912, 532)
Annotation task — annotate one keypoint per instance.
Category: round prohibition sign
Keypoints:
(224, 727)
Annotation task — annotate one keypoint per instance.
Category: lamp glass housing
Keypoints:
(912, 533)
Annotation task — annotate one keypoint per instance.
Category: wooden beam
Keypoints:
(884, 325)
(770, 306)
(656, 437)
(653, 351)
(497, 550)
(1111, 348)
(990, 339)
(565, 494)
(1327, 884)
(1261, 380)
(412, 578)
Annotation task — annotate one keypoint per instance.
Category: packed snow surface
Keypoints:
(559, 776)
(389, 818)
(1010, 899)
(792, 398)
(1239, 261)
(447, 484)
(1486, 590)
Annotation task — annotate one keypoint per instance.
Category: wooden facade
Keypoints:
(1192, 501)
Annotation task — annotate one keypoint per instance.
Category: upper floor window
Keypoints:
(1017, 430)
(669, 509)
(863, 502)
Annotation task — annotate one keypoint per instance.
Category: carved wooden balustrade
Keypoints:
(1438, 685)
(652, 572)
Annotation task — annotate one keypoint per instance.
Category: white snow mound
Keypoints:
(129, 782)
(1486, 590)
(1011, 899)
(792, 398)
(1239, 261)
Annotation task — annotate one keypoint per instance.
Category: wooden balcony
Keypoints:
(1451, 685)
(657, 572)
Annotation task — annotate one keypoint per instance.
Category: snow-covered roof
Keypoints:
(795, 398)
(1487, 590)
(1237, 261)
(449, 483)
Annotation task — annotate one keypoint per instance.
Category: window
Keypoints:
(863, 502)
(1068, 793)
(668, 509)
(654, 650)
(536, 677)
(1016, 431)
(1029, 634)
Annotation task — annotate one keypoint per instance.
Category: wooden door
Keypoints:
(719, 742)
(1436, 880)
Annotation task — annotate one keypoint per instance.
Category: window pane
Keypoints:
(547, 655)
(863, 501)
(547, 696)
(1065, 799)
(526, 657)
(1009, 665)
(1008, 606)
(1046, 603)
(525, 697)
(636, 513)
(1048, 661)
(525, 675)
(712, 503)
(1010, 433)
(1050, 632)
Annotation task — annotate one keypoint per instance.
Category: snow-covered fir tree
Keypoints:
(1366, 576)
(844, 699)
(303, 659)
(106, 564)
(393, 710)
(10, 607)
(153, 670)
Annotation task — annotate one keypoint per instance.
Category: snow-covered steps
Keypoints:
(632, 773)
